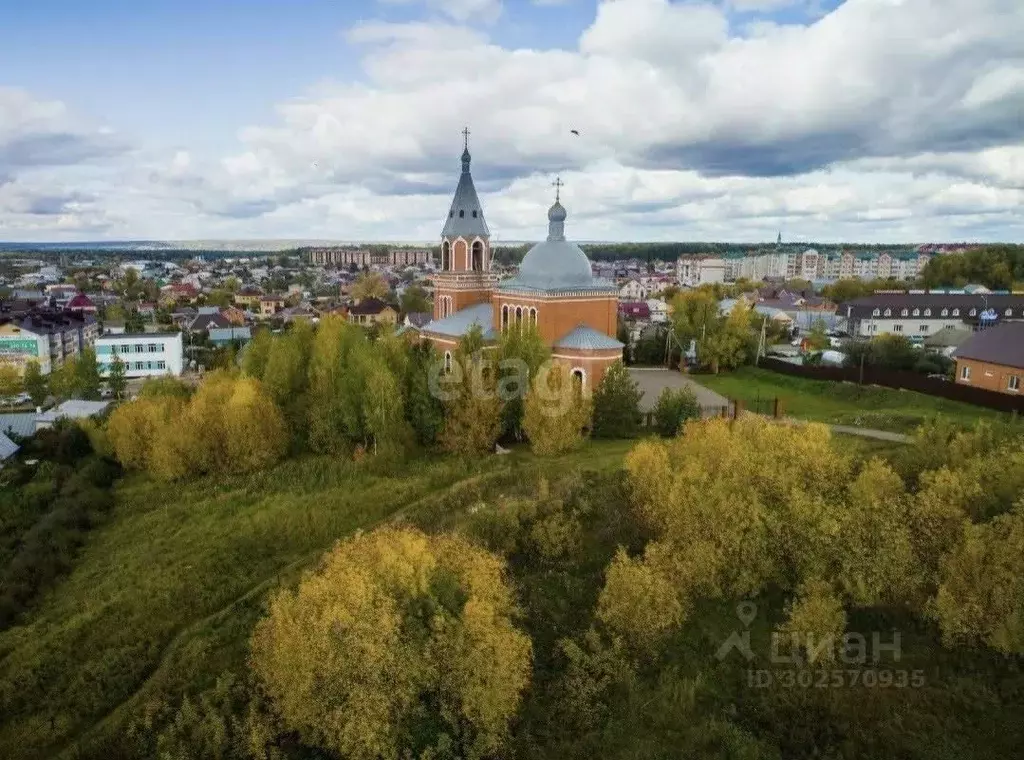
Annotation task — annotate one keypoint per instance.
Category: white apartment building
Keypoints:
(144, 354)
(700, 270)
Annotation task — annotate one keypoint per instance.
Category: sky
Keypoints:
(731, 120)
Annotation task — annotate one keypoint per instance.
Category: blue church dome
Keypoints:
(555, 262)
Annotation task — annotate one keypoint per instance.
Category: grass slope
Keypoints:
(841, 403)
(165, 594)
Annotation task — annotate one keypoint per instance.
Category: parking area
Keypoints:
(653, 381)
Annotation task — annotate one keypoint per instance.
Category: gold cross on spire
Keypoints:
(557, 184)
(465, 137)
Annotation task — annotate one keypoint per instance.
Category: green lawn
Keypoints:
(165, 594)
(841, 403)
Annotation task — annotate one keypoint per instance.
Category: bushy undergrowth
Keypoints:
(46, 510)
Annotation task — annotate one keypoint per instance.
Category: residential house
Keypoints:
(371, 311)
(234, 315)
(635, 311)
(993, 358)
(270, 305)
(632, 291)
(80, 303)
(919, 314)
(248, 298)
(179, 292)
(299, 313)
(208, 318)
(658, 310)
(223, 336)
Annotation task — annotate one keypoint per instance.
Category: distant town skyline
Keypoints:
(867, 120)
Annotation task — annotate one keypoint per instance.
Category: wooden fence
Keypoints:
(911, 381)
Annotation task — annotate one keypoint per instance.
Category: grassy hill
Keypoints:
(165, 595)
(162, 600)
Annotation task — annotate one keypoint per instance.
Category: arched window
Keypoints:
(504, 317)
(927, 312)
(945, 312)
(533, 316)
(888, 312)
(1008, 312)
(478, 256)
(973, 313)
(462, 213)
(956, 312)
(519, 315)
(904, 312)
(447, 361)
(579, 379)
(446, 256)
(917, 312)
(876, 313)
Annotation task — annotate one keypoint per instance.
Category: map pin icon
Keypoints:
(746, 612)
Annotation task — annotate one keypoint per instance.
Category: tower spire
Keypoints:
(557, 184)
(465, 150)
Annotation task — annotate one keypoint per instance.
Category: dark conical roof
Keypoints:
(466, 215)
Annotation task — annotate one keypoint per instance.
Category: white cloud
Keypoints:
(881, 120)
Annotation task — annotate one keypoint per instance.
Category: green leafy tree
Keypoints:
(117, 379)
(675, 406)
(35, 383)
(817, 340)
(520, 354)
(424, 411)
(87, 374)
(617, 404)
(414, 299)
(729, 345)
(370, 285)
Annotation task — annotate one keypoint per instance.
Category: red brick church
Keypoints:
(555, 290)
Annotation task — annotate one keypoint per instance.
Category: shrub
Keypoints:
(675, 406)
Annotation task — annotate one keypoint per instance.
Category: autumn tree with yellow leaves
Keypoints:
(800, 516)
(556, 411)
(230, 424)
(399, 645)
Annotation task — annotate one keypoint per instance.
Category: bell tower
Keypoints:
(464, 278)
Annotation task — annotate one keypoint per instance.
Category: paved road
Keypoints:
(652, 381)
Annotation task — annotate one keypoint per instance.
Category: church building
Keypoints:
(555, 290)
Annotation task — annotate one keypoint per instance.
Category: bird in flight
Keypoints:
(575, 132)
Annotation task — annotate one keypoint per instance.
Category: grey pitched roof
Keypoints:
(466, 215)
(588, 339)
(19, 423)
(1002, 344)
(8, 448)
(458, 324)
(863, 308)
